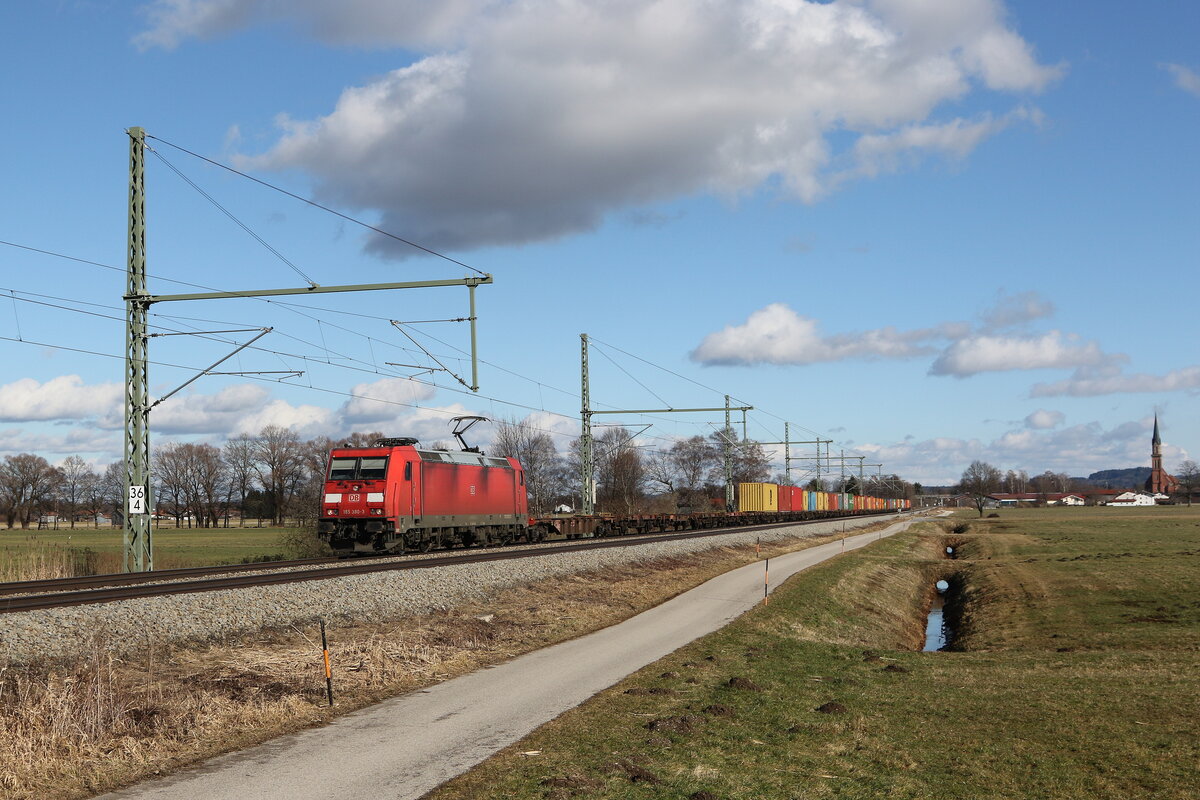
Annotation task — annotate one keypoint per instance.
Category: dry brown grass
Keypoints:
(78, 729)
(45, 561)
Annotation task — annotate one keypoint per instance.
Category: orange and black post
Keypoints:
(328, 672)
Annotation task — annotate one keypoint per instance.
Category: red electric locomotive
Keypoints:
(395, 496)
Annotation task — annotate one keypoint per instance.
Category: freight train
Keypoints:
(396, 497)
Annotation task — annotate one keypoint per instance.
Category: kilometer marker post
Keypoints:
(328, 672)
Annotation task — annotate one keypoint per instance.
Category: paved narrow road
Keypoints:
(404, 747)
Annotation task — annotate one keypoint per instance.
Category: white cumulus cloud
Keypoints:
(66, 397)
(383, 400)
(1043, 419)
(778, 335)
(528, 121)
(207, 413)
(1186, 79)
(1077, 450)
(1001, 353)
(1087, 383)
(306, 420)
(1016, 309)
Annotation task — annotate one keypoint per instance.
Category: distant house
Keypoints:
(1100, 497)
(1011, 499)
(1135, 499)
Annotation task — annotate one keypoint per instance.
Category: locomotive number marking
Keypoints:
(354, 498)
(472, 490)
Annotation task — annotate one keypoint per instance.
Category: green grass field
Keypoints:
(1076, 677)
(32, 554)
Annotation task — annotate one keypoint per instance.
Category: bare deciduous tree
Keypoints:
(112, 488)
(280, 467)
(1188, 476)
(692, 459)
(361, 439)
(750, 462)
(619, 471)
(979, 480)
(545, 469)
(168, 472)
(27, 485)
(76, 475)
(238, 455)
(1016, 481)
(207, 480)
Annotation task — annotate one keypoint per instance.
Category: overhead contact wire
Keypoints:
(315, 204)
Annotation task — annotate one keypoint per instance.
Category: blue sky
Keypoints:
(931, 231)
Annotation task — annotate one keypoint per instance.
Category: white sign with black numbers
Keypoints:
(137, 499)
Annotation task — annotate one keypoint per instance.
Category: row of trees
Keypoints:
(687, 476)
(275, 475)
(1019, 482)
(629, 478)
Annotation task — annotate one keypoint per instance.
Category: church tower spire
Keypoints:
(1159, 481)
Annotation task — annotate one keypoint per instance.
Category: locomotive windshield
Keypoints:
(371, 468)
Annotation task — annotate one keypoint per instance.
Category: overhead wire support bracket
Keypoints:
(587, 441)
(440, 366)
(262, 332)
(285, 373)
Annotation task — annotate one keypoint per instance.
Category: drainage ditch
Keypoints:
(941, 621)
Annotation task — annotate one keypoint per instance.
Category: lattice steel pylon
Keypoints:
(139, 553)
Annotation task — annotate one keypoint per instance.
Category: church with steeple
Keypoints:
(1160, 481)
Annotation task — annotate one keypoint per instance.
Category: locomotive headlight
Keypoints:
(331, 512)
(377, 512)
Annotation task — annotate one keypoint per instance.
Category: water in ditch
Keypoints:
(936, 634)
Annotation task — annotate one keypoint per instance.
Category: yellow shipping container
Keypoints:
(822, 501)
(758, 497)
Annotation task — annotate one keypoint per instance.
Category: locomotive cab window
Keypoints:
(342, 469)
(371, 468)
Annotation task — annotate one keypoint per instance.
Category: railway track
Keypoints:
(125, 578)
(56, 593)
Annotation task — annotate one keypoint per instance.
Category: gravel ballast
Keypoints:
(129, 625)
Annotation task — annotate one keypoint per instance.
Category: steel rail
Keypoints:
(33, 602)
(124, 578)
